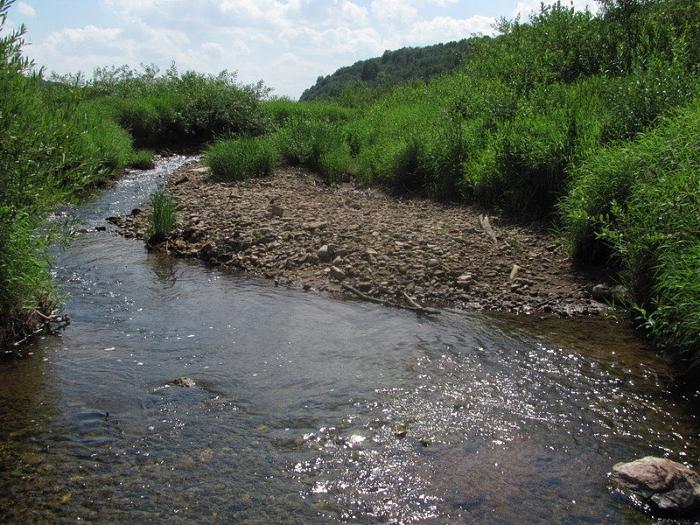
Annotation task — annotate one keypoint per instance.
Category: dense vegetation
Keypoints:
(391, 69)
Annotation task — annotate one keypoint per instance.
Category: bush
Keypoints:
(316, 145)
(176, 109)
(162, 219)
(142, 160)
(241, 159)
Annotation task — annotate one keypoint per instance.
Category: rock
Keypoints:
(136, 211)
(313, 226)
(100, 228)
(193, 234)
(184, 382)
(276, 211)
(464, 280)
(181, 180)
(601, 292)
(326, 253)
(514, 272)
(364, 286)
(203, 169)
(668, 486)
(337, 274)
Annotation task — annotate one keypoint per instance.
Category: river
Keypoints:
(312, 410)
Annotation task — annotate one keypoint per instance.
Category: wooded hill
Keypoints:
(392, 68)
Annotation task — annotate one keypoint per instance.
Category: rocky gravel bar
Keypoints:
(349, 241)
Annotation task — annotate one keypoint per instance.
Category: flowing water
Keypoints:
(310, 410)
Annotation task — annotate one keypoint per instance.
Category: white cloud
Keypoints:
(25, 9)
(445, 28)
(394, 11)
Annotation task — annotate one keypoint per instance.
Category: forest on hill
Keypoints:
(401, 66)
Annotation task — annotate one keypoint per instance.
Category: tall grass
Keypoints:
(162, 219)
(241, 159)
(638, 204)
(173, 108)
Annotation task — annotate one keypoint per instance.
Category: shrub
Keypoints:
(175, 109)
(241, 159)
(50, 147)
(162, 219)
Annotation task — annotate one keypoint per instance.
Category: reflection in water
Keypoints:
(308, 410)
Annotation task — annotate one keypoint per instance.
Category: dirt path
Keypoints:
(302, 233)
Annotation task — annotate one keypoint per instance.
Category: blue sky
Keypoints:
(285, 43)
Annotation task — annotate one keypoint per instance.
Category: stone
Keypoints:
(276, 211)
(326, 253)
(337, 274)
(601, 292)
(203, 169)
(313, 226)
(666, 485)
(464, 280)
(514, 272)
(184, 382)
(364, 286)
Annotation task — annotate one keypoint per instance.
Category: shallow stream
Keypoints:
(311, 410)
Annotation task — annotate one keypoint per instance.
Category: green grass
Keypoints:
(142, 160)
(241, 159)
(637, 205)
(176, 109)
(162, 220)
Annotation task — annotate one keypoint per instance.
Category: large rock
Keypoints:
(666, 485)
(326, 253)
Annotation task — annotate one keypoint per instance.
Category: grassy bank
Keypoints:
(562, 119)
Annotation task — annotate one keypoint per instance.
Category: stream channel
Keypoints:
(313, 410)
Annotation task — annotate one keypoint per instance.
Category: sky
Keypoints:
(285, 43)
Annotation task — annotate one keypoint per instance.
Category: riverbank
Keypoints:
(342, 240)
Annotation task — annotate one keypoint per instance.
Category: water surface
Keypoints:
(310, 410)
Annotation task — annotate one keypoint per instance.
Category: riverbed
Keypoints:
(313, 410)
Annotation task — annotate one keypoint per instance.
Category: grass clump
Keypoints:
(241, 159)
(162, 219)
(142, 160)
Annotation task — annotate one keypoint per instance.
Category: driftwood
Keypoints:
(486, 225)
(413, 306)
(51, 325)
